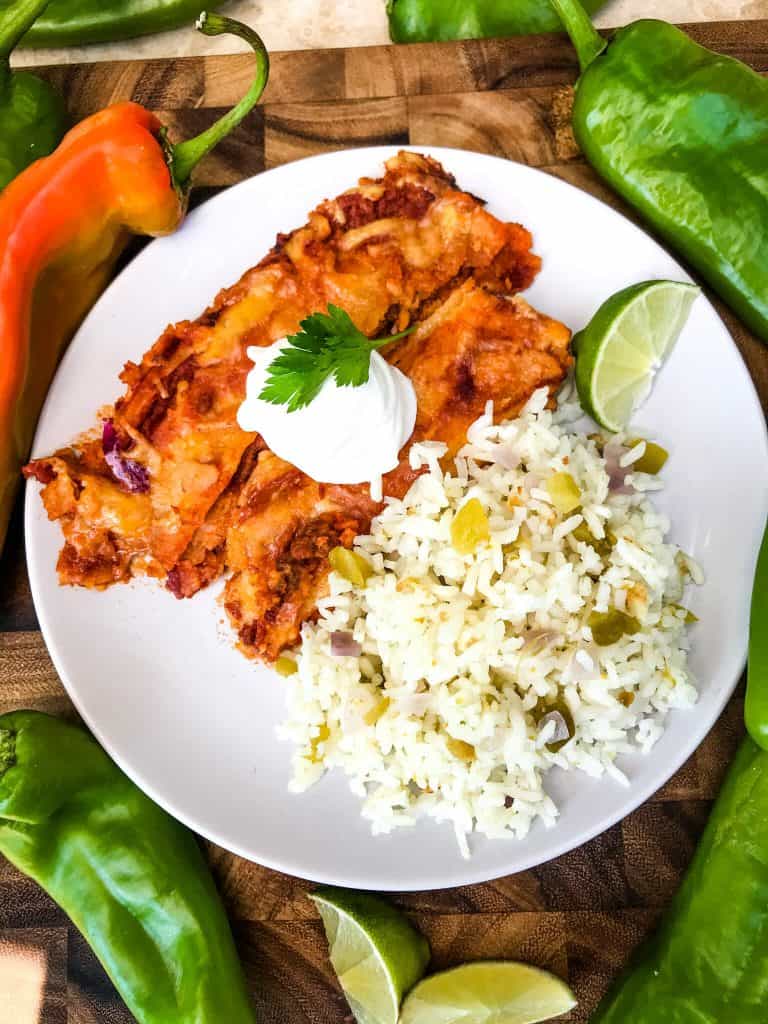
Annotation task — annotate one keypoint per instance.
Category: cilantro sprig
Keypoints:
(328, 344)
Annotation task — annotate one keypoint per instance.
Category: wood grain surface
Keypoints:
(579, 915)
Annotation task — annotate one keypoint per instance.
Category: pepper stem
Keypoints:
(586, 39)
(7, 750)
(15, 19)
(184, 156)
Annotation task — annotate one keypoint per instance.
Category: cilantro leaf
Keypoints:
(328, 344)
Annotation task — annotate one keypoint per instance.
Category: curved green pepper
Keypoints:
(708, 961)
(74, 22)
(132, 879)
(427, 21)
(756, 704)
(32, 115)
(682, 134)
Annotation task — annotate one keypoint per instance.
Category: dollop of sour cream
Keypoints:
(346, 435)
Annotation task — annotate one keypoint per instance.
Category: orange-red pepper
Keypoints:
(63, 223)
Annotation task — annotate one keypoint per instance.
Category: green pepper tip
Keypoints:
(183, 157)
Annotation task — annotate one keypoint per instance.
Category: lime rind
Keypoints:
(488, 992)
(624, 345)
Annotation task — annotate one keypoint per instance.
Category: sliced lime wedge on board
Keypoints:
(488, 992)
(375, 951)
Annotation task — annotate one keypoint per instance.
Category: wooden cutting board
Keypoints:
(579, 915)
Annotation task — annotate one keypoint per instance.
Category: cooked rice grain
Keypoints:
(463, 654)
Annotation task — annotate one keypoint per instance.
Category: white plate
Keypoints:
(193, 722)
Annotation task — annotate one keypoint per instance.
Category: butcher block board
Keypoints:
(579, 915)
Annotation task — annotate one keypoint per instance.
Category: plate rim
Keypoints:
(286, 864)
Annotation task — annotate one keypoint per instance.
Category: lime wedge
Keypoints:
(376, 953)
(625, 343)
(488, 992)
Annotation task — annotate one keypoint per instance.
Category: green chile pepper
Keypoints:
(32, 115)
(682, 134)
(74, 22)
(131, 878)
(756, 705)
(708, 961)
(427, 21)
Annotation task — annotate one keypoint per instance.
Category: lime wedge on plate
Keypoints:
(376, 953)
(488, 992)
(625, 343)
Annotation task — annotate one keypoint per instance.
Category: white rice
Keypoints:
(476, 648)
